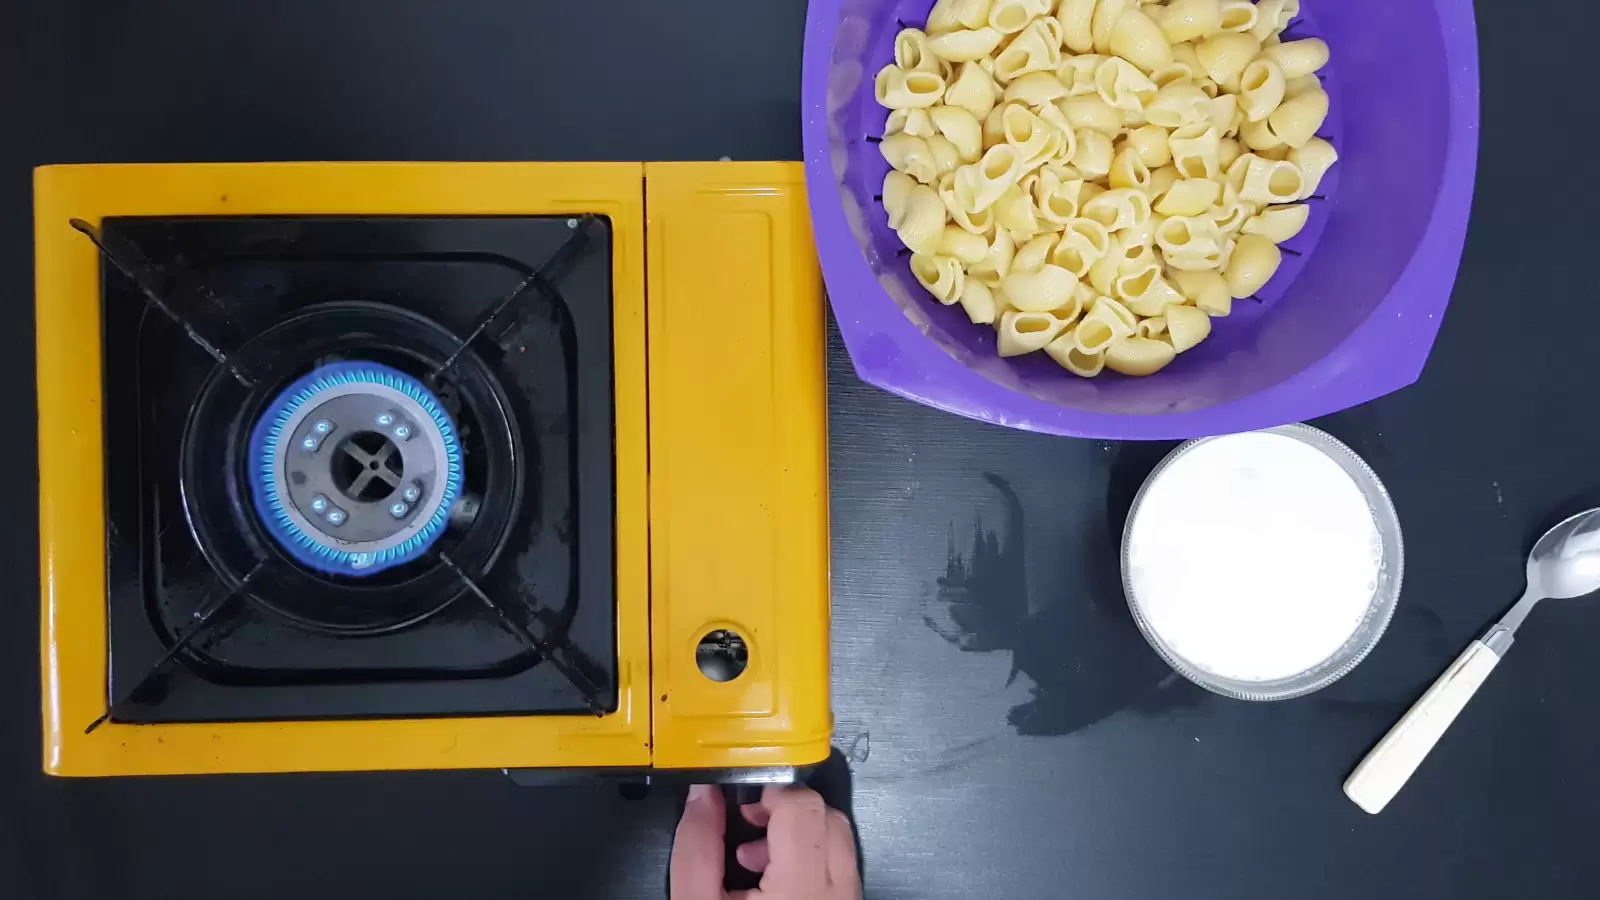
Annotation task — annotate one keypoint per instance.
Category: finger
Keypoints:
(697, 850)
(797, 839)
(755, 814)
(754, 856)
(842, 867)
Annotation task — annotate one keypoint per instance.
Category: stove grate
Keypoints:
(536, 631)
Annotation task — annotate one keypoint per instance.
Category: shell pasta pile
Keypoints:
(1098, 179)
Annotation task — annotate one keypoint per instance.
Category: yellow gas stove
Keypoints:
(430, 466)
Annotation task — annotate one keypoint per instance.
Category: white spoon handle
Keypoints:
(1390, 764)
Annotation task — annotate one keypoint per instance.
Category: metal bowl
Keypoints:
(1379, 611)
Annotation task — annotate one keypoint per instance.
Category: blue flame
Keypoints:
(265, 441)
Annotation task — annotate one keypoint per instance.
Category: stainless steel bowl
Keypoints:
(1379, 611)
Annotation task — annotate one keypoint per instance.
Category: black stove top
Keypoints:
(507, 324)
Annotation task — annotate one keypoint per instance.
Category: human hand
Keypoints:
(809, 852)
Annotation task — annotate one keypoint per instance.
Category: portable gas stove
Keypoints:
(395, 466)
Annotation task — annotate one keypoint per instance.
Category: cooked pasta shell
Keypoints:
(1077, 20)
(988, 179)
(1270, 18)
(1187, 20)
(1057, 200)
(1224, 56)
(1255, 260)
(897, 188)
(1183, 238)
(1228, 150)
(1036, 89)
(1015, 212)
(1106, 14)
(1261, 89)
(1187, 326)
(1189, 197)
(1150, 142)
(1279, 223)
(911, 52)
(1051, 287)
(1239, 15)
(1154, 326)
(1297, 121)
(963, 245)
(1066, 352)
(956, 203)
(997, 264)
(1011, 16)
(966, 45)
(896, 88)
(1197, 151)
(1162, 180)
(1075, 253)
(1091, 112)
(1034, 50)
(1175, 105)
(1147, 293)
(1094, 154)
(1294, 87)
(944, 17)
(1136, 38)
(911, 155)
(1314, 160)
(1297, 59)
(1129, 171)
(962, 129)
(1022, 332)
(1138, 356)
(1076, 74)
(1207, 290)
(977, 301)
(923, 226)
(1121, 84)
(942, 276)
(1268, 181)
(973, 90)
(1033, 254)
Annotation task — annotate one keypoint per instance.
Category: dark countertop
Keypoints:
(1011, 734)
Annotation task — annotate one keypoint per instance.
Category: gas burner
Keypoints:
(359, 555)
(357, 467)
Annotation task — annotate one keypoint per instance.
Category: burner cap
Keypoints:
(354, 468)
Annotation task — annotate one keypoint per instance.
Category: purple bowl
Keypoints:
(1353, 321)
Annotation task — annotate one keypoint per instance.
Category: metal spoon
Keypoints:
(1565, 563)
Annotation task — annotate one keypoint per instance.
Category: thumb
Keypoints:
(698, 850)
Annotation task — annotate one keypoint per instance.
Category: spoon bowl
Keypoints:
(1565, 563)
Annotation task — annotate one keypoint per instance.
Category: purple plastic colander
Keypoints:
(1350, 322)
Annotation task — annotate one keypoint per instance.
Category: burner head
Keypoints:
(224, 494)
(354, 468)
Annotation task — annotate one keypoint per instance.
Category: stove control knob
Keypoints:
(399, 510)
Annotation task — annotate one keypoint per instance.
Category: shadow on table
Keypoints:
(1082, 650)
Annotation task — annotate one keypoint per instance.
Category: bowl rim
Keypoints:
(893, 352)
(1380, 608)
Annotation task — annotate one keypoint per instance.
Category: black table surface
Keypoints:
(1010, 733)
